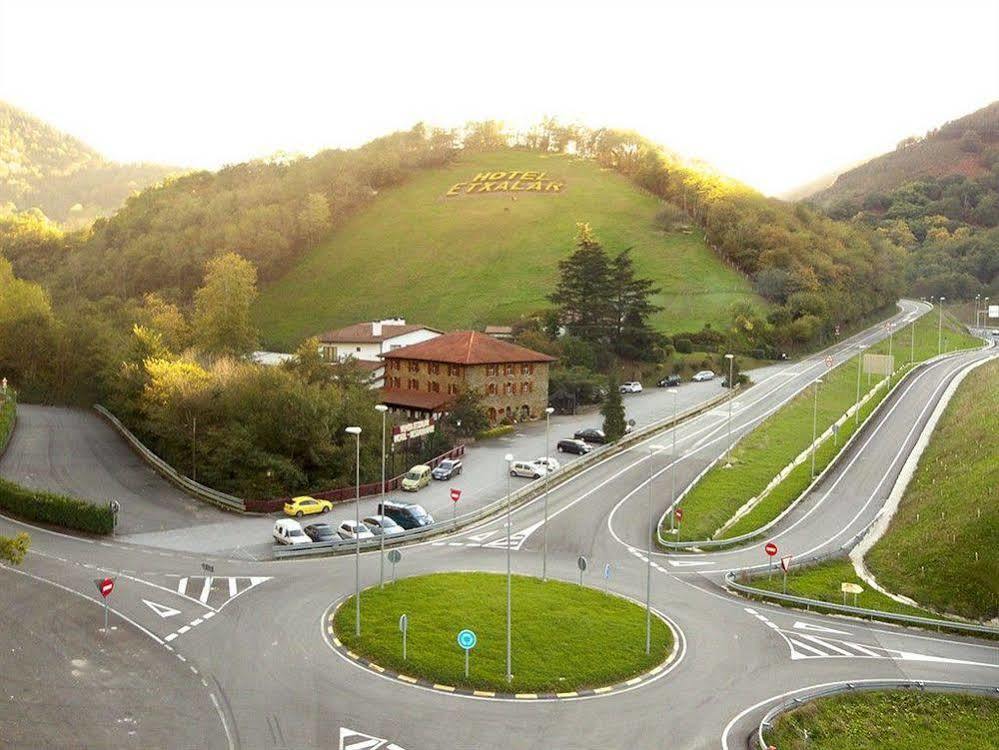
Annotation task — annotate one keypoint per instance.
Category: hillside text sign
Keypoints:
(517, 181)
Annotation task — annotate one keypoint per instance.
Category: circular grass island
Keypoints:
(565, 637)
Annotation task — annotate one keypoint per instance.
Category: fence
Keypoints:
(823, 691)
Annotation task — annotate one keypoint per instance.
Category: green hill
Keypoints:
(470, 259)
(42, 167)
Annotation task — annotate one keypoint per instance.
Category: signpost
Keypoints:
(581, 564)
(771, 550)
(678, 513)
(607, 575)
(785, 564)
(105, 586)
(829, 361)
(394, 556)
(455, 497)
(403, 626)
(467, 640)
(851, 588)
(114, 506)
(207, 568)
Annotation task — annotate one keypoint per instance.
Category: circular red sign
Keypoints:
(679, 514)
(771, 549)
(107, 586)
(455, 495)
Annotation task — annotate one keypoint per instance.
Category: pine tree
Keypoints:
(583, 292)
(632, 306)
(612, 410)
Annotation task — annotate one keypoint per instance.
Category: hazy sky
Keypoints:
(773, 93)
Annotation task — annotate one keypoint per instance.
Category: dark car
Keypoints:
(320, 532)
(591, 435)
(578, 447)
(670, 381)
(446, 469)
(407, 515)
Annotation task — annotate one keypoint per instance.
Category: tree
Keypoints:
(583, 292)
(314, 220)
(631, 302)
(613, 411)
(14, 548)
(468, 410)
(222, 306)
(166, 319)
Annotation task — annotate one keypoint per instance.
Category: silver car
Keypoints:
(383, 525)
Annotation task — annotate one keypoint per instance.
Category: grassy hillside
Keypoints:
(473, 259)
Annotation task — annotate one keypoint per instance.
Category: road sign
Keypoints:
(105, 586)
(455, 494)
(581, 563)
(851, 588)
(678, 513)
(771, 549)
(394, 556)
(785, 563)
(829, 361)
(607, 571)
(208, 568)
(467, 639)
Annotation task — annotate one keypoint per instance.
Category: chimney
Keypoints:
(376, 328)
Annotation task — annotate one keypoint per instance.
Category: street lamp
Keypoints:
(940, 328)
(891, 362)
(731, 394)
(653, 449)
(509, 653)
(815, 418)
(356, 432)
(977, 298)
(381, 507)
(856, 406)
(544, 554)
(672, 472)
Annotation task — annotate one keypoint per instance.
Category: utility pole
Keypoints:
(856, 407)
(940, 328)
(815, 418)
(356, 432)
(672, 470)
(509, 639)
(381, 566)
(544, 554)
(731, 396)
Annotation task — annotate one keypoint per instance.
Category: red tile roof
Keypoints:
(414, 399)
(468, 348)
(361, 333)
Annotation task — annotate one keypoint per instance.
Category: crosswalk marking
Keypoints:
(217, 591)
(206, 590)
(182, 587)
(827, 644)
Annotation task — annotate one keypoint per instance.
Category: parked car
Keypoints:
(446, 469)
(287, 531)
(670, 381)
(591, 435)
(383, 526)
(320, 532)
(407, 515)
(702, 376)
(632, 386)
(579, 447)
(527, 469)
(353, 530)
(547, 463)
(306, 506)
(418, 476)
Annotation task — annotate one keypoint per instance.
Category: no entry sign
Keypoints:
(771, 549)
(455, 494)
(105, 586)
(679, 514)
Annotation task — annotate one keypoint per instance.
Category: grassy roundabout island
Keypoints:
(890, 720)
(565, 637)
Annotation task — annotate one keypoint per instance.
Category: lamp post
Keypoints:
(381, 506)
(891, 362)
(509, 653)
(653, 449)
(912, 342)
(856, 406)
(815, 420)
(544, 553)
(940, 328)
(731, 393)
(977, 298)
(672, 470)
(356, 432)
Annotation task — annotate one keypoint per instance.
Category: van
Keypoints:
(287, 531)
(407, 515)
(418, 476)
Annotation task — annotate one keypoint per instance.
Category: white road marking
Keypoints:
(687, 564)
(354, 740)
(827, 644)
(232, 587)
(206, 590)
(796, 655)
(182, 587)
(817, 628)
(161, 609)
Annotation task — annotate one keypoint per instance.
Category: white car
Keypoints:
(632, 386)
(527, 469)
(287, 531)
(352, 530)
(382, 525)
(549, 463)
(702, 376)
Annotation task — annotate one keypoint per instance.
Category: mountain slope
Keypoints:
(42, 167)
(470, 259)
(952, 149)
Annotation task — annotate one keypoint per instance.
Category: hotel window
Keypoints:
(433, 368)
(491, 389)
(414, 366)
(395, 382)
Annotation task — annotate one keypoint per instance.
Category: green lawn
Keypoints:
(565, 637)
(465, 261)
(890, 720)
(765, 451)
(950, 511)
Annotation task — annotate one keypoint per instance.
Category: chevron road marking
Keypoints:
(353, 740)
(817, 628)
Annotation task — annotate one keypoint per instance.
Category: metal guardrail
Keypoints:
(169, 473)
(519, 497)
(857, 686)
(875, 614)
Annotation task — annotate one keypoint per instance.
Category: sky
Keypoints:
(772, 93)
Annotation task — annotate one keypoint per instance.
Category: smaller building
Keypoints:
(504, 333)
(367, 342)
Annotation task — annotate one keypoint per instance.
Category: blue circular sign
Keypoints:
(467, 639)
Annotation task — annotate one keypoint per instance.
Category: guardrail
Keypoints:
(874, 614)
(229, 502)
(519, 497)
(856, 686)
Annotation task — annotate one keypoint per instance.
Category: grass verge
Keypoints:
(565, 637)
(765, 451)
(890, 720)
(8, 411)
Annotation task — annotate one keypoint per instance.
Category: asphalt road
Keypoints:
(254, 629)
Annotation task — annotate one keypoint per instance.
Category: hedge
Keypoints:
(58, 510)
(8, 408)
(503, 429)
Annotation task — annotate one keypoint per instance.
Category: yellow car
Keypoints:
(305, 506)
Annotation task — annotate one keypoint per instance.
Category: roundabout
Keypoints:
(568, 641)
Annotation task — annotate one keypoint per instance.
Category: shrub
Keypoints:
(503, 429)
(684, 346)
(58, 510)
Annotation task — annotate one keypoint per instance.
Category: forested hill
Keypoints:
(951, 149)
(44, 168)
